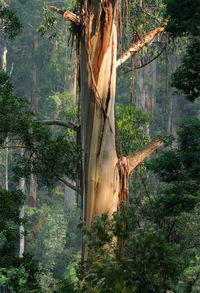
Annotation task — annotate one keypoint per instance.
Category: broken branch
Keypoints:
(140, 44)
(138, 157)
(67, 14)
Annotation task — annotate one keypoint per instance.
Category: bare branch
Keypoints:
(60, 123)
(141, 43)
(67, 14)
(138, 157)
(154, 58)
(69, 185)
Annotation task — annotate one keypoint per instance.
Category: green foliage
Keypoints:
(147, 264)
(131, 123)
(179, 169)
(54, 239)
(10, 202)
(186, 77)
(10, 25)
(45, 153)
(18, 274)
(184, 21)
(62, 106)
(184, 17)
(48, 23)
(51, 158)
(14, 110)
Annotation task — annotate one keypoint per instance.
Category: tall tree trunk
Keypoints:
(33, 191)
(4, 59)
(69, 196)
(34, 104)
(4, 67)
(21, 227)
(141, 96)
(6, 167)
(98, 49)
(34, 101)
(21, 215)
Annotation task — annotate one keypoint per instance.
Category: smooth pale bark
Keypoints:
(97, 93)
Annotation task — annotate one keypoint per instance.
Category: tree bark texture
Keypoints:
(98, 48)
(33, 191)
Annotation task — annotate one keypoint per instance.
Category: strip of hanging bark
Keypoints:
(138, 157)
(67, 14)
(69, 185)
(124, 174)
(140, 44)
(60, 123)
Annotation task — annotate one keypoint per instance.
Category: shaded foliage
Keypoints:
(18, 274)
(10, 25)
(147, 264)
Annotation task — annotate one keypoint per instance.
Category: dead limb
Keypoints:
(141, 43)
(61, 123)
(67, 14)
(138, 157)
(69, 185)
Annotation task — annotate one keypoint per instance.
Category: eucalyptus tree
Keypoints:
(105, 171)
